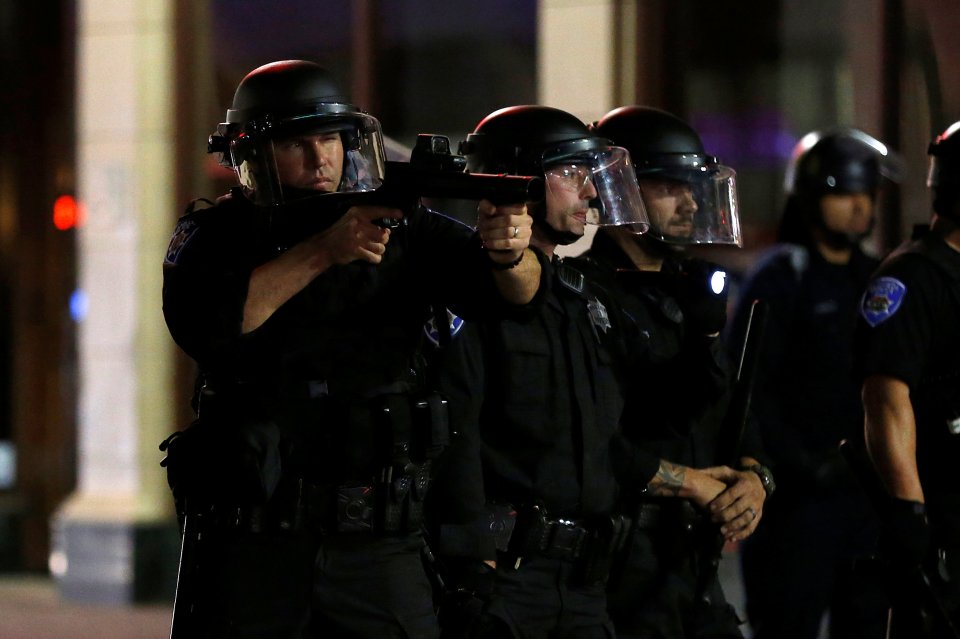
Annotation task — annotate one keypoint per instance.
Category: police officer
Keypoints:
(304, 313)
(668, 587)
(799, 565)
(909, 349)
(530, 516)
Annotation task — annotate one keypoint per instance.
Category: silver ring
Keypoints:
(516, 231)
(753, 513)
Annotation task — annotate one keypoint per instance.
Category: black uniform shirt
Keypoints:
(677, 384)
(910, 330)
(537, 405)
(806, 398)
(352, 333)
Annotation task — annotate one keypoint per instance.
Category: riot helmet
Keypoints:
(292, 133)
(837, 162)
(690, 197)
(539, 140)
(840, 161)
(944, 174)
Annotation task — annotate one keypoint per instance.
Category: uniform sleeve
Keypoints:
(633, 465)
(450, 255)
(897, 316)
(457, 497)
(204, 292)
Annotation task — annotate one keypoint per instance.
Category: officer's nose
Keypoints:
(687, 202)
(862, 203)
(588, 191)
(315, 157)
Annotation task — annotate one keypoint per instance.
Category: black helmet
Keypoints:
(662, 146)
(841, 161)
(294, 98)
(522, 140)
(531, 139)
(944, 174)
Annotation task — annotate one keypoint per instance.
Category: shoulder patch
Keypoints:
(185, 229)
(430, 328)
(881, 300)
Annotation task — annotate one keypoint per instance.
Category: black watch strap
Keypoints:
(766, 477)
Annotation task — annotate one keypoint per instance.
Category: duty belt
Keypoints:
(392, 506)
(526, 532)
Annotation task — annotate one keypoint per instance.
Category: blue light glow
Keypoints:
(78, 305)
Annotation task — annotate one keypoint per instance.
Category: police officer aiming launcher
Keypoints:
(525, 505)
(310, 459)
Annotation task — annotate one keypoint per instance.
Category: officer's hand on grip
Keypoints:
(701, 290)
(905, 536)
(357, 235)
(505, 230)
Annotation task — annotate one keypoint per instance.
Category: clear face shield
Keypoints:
(605, 179)
(307, 156)
(696, 205)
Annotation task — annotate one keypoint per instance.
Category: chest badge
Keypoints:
(882, 299)
(598, 315)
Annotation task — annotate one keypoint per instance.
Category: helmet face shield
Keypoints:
(603, 176)
(696, 205)
(281, 161)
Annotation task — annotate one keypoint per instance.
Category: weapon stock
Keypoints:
(432, 172)
(914, 599)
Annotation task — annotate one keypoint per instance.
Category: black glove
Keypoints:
(905, 533)
(701, 290)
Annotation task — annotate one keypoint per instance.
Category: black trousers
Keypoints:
(657, 593)
(540, 600)
(800, 562)
(292, 586)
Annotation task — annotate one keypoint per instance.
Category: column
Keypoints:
(115, 539)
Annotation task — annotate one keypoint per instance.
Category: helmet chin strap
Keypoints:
(538, 212)
(552, 235)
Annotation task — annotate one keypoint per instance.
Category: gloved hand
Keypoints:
(702, 291)
(905, 533)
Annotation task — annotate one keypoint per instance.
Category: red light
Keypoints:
(67, 213)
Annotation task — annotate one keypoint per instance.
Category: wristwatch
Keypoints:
(766, 477)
